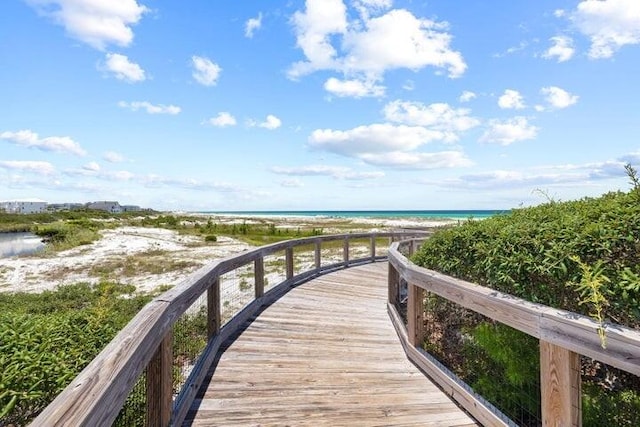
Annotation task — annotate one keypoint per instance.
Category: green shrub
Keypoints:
(211, 238)
(580, 256)
(47, 339)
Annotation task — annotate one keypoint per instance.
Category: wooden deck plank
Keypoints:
(324, 354)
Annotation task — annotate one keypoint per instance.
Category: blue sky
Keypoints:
(323, 104)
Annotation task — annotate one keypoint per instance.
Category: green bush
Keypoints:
(47, 339)
(580, 256)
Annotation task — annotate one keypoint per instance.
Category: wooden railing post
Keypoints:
(393, 284)
(345, 251)
(214, 312)
(415, 315)
(560, 385)
(258, 271)
(159, 384)
(289, 262)
(373, 248)
(318, 254)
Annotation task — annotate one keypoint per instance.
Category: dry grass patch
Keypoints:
(154, 261)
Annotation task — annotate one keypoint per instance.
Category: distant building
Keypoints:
(107, 206)
(130, 208)
(57, 207)
(23, 206)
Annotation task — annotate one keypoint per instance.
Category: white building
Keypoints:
(23, 206)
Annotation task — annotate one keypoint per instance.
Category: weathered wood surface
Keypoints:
(562, 328)
(324, 354)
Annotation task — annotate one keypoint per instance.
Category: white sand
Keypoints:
(37, 273)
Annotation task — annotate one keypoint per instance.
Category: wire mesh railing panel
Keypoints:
(359, 248)
(499, 363)
(303, 259)
(610, 396)
(237, 290)
(189, 341)
(382, 246)
(331, 253)
(275, 269)
(134, 410)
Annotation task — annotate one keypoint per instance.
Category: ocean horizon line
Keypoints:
(413, 213)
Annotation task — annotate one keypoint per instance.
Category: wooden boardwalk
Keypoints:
(324, 354)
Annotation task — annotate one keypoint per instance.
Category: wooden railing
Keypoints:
(563, 337)
(97, 394)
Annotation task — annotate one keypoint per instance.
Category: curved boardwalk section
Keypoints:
(326, 353)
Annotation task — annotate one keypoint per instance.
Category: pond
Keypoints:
(19, 244)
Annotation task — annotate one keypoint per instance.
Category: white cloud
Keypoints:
(375, 138)
(609, 24)
(113, 157)
(292, 183)
(412, 160)
(223, 119)
(554, 175)
(92, 167)
(439, 117)
(252, 25)
(511, 99)
(398, 39)
(205, 71)
(353, 88)
(123, 69)
(558, 98)
(150, 108)
(41, 168)
(321, 19)
(96, 23)
(509, 131)
(271, 123)
(364, 49)
(27, 138)
(467, 96)
(336, 172)
(562, 49)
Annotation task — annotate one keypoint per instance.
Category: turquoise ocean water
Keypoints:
(435, 214)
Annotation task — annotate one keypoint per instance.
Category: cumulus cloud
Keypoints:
(113, 157)
(506, 132)
(561, 49)
(95, 23)
(389, 145)
(223, 119)
(38, 167)
(609, 24)
(336, 172)
(558, 98)
(205, 71)
(252, 25)
(511, 99)
(150, 108)
(467, 96)
(412, 160)
(271, 123)
(439, 117)
(364, 49)
(353, 88)
(123, 69)
(30, 139)
(375, 138)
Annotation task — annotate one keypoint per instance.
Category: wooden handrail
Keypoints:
(563, 337)
(97, 394)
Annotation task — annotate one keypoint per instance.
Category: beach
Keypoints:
(152, 257)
